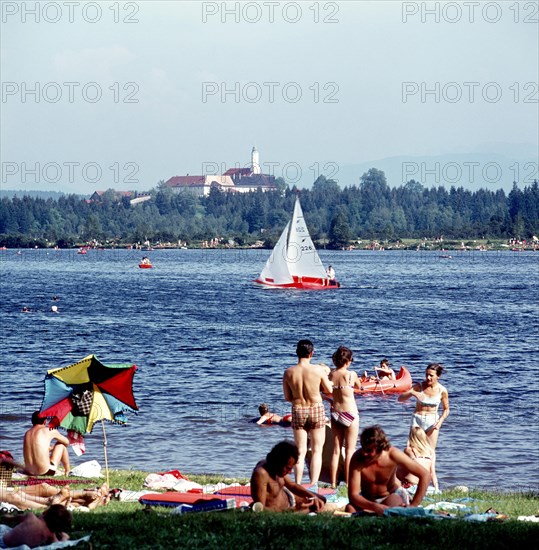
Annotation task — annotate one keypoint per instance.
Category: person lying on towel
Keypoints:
(38, 530)
(273, 488)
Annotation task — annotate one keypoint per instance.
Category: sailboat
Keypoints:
(294, 262)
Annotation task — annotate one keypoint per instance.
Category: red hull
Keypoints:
(400, 385)
(145, 266)
(303, 283)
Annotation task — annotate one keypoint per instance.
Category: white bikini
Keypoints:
(427, 419)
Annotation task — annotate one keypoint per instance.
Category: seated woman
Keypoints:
(267, 417)
(420, 451)
(385, 370)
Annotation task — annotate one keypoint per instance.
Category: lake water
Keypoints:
(211, 347)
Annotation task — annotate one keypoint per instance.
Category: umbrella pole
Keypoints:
(105, 451)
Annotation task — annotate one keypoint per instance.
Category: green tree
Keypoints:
(339, 232)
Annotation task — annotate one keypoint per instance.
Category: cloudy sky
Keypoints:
(124, 94)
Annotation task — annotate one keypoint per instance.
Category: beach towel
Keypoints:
(448, 506)
(92, 468)
(487, 516)
(134, 496)
(413, 512)
(62, 544)
(170, 481)
(535, 519)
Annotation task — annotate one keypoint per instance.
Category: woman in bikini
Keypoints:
(419, 450)
(344, 412)
(429, 394)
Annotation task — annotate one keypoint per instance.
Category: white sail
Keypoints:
(302, 257)
(276, 269)
(293, 255)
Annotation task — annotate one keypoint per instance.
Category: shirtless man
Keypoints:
(39, 530)
(385, 370)
(301, 386)
(40, 457)
(272, 487)
(372, 482)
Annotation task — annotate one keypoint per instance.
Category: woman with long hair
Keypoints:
(429, 394)
(419, 450)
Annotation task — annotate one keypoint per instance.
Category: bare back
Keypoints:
(344, 381)
(302, 382)
(32, 531)
(37, 441)
(378, 476)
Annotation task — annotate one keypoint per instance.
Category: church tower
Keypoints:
(255, 162)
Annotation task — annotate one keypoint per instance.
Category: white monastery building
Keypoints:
(234, 180)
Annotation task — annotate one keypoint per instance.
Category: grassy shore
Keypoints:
(130, 525)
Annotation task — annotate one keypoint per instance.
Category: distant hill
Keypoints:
(472, 171)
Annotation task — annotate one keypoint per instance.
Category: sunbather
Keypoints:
(272, 487)
(372, 482)
(39, 496)
(39, 530)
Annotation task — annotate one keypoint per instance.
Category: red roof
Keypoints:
(242, 171)
(183, 181)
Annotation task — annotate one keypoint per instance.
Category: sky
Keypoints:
(121, 95)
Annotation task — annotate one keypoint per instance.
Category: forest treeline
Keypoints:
(371, 210)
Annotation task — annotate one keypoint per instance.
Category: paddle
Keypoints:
(378, 379)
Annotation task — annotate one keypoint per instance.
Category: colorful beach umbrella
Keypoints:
(78, 396)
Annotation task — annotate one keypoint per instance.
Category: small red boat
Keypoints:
(384, 385)
(145, 266)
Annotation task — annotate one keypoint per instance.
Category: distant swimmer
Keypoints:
(26, 309)
(55, 297)
(267, 417)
